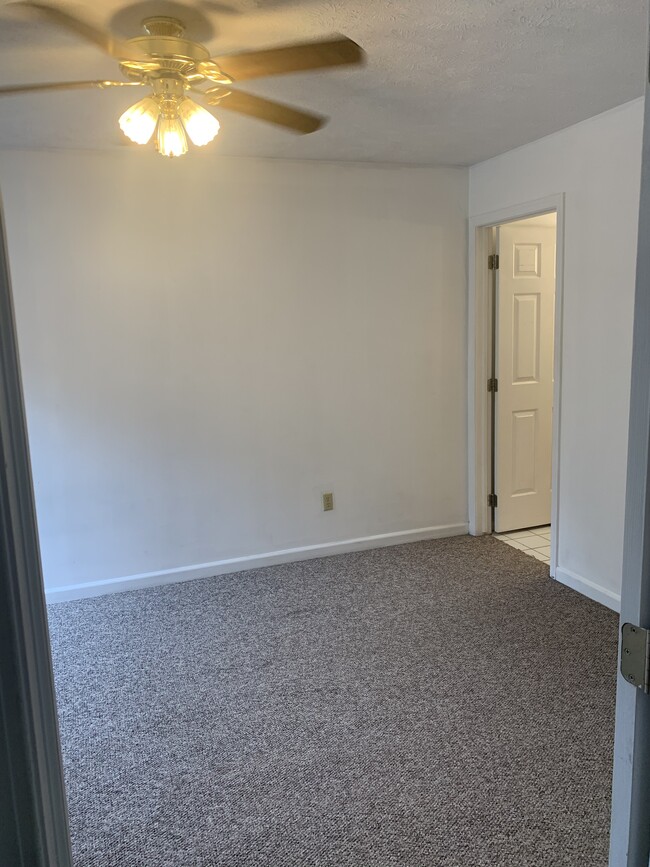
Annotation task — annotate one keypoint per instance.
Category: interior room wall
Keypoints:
(597, 165)
(210, 344)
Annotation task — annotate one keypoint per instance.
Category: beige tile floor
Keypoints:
(536, 542)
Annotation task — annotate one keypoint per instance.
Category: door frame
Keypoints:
(33, 808)
(479, 360)
(630, 829)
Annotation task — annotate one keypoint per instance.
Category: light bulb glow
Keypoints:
(201, 126)
(170, 139)
(139, 121)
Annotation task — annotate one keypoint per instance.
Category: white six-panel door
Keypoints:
(525, 302)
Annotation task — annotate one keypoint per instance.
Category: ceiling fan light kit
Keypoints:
(173, 66)
(169, 112)
(174, 114)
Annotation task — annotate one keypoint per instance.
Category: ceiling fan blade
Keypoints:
(66, 85)
(291, 58)
(297, 121)
(90, 32)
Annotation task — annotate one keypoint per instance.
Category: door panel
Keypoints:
(525, 303)
(525, 328)
(524, 430)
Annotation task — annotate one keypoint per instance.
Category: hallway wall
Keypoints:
(597, 165)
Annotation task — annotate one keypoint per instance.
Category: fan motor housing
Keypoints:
(164, 49)
(168, 52)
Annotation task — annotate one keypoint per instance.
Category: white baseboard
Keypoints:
(589, 588)
(253, 561)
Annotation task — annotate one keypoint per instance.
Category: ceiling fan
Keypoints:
(173, 67)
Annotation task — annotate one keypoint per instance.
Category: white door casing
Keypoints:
(630, 830)
(525, 311)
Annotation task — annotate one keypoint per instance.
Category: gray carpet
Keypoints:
(441, 703)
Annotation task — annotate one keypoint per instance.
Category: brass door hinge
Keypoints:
(635, 656)
(493, 261)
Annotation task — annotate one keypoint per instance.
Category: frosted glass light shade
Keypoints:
(171, 140)
(139, 121)
(201, 126)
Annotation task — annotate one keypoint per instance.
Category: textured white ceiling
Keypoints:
(447, 82)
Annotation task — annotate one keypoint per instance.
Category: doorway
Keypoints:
(515, 340)
(521, 388)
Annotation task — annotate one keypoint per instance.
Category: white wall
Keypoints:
(597, 164)
(208, 344)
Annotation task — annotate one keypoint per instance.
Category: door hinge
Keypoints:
(493, 501)
(635, 656)
(493, 384)
(493, 261)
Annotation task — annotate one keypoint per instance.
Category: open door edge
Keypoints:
(630, 829)
(32, 796)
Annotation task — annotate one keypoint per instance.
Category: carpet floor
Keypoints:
(440, 703)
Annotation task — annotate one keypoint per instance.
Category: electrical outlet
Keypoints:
(328, 502)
